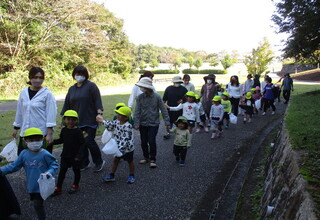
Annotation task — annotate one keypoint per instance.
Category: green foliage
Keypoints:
(300, 19)
(154, 63)
(212, 71)
(190, 71)
(257, 62)
(177, 62)
(160, 71)
(198, 63)
(227, 62)
(190, 61)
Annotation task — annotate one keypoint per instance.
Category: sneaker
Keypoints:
(73, 189)
(57, 191)
(213, 136)
(85, 168)
(98, 168)
(244, 120)
(143, 161)
(167, 136)
(177, 158)
(109, 178)
(273, 112)
(153, 164)
(131, 179)
(264, 113)
(182, 163)
(197, 130)
(220, 134)
(206, 129)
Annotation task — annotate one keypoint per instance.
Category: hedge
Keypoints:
(161, 71)
(205, 71)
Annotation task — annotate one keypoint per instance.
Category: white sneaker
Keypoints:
(273, 113)
(197, 130)
(264, 113)
(206, 129)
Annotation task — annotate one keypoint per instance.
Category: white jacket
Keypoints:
(39, 112)
(234, 91)
(190, 110)
(134, 94)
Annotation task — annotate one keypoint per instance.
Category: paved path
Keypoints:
(167, 192)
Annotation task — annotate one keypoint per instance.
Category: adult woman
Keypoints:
(234, 88)
(186, 83)
(136, 90)
(36, 108)
(84, 97)
(208, 91)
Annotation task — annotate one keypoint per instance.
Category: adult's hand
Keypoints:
(49, 137)
(14, 133)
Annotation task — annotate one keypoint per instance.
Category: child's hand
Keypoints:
(167, 106)
(76, 159)
(99, 118)
(137, 127)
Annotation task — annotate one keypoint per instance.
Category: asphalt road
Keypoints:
(167, 192)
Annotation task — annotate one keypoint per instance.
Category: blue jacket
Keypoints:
(34, 164)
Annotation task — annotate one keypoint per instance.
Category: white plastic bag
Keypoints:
(111, 148)
(233, 119)
(46, 185)
(106, 136)
(258, 104)
(10, 151)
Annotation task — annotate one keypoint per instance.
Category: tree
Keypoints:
(154, 63)
(227, 61)
(198, 63)
(257, 62)
(300, 19)
(190, 61)
(177, 62)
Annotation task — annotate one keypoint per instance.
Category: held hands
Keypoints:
(14, 133)
(99, 118)
(137, 127)
(167, 106)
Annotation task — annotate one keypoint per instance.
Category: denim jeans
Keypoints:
(92, 146)
(148, 141)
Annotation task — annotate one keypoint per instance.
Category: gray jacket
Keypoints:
(147, 110)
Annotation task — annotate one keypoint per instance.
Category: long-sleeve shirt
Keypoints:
(182, 137)
(234, 91)
(287, 84)
(189, 87)
(147, 109)
(201, 110)
(122, 134)
(226, 105)
(39, 112)
(248, 84)
(73, 143)
(85, 100)
(134, 94)
(34, 164)
(268, 92)
(217, 111)
(189, 110)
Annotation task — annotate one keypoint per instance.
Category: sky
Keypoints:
(210, 25)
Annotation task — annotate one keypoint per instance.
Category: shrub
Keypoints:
(190, 71)
(212, 71)
(161, 71)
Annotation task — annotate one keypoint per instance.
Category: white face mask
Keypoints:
(80, 78)
(142, 89)
(35, 145)
(176, 84)
(209, 81)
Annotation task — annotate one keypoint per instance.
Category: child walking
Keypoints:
(124, 138)
(73, 141)
(225, 102)
(182, 139)
(249, 106)
(202, 115)
(216, 117)
(35, 161)
(190, 110)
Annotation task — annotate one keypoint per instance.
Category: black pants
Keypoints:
(148, 141)
(235, 105)
(180, 152)
(64, 166)
(38, 205)
(286, 95)
(267, 104)
(92, 146)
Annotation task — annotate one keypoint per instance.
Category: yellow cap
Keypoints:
(32, 131)
(216, 98)
(182, 119)
(120, 104)
(191, 94)
(248, 95)
(253, 89)
(70, 113)
(126, 111)
(225, 94)
(197, 97)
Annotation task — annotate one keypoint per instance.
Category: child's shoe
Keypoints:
(131, 179)
(206, 129)
(197, 130)
(57, 191)
(220, 134)
(213, 136)
(244, 120)
(264, 113)
(73, 189)
(167, 136)
(249, 120)
(182, 163)
(144, 161)
(109, 178)
(273, 112)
